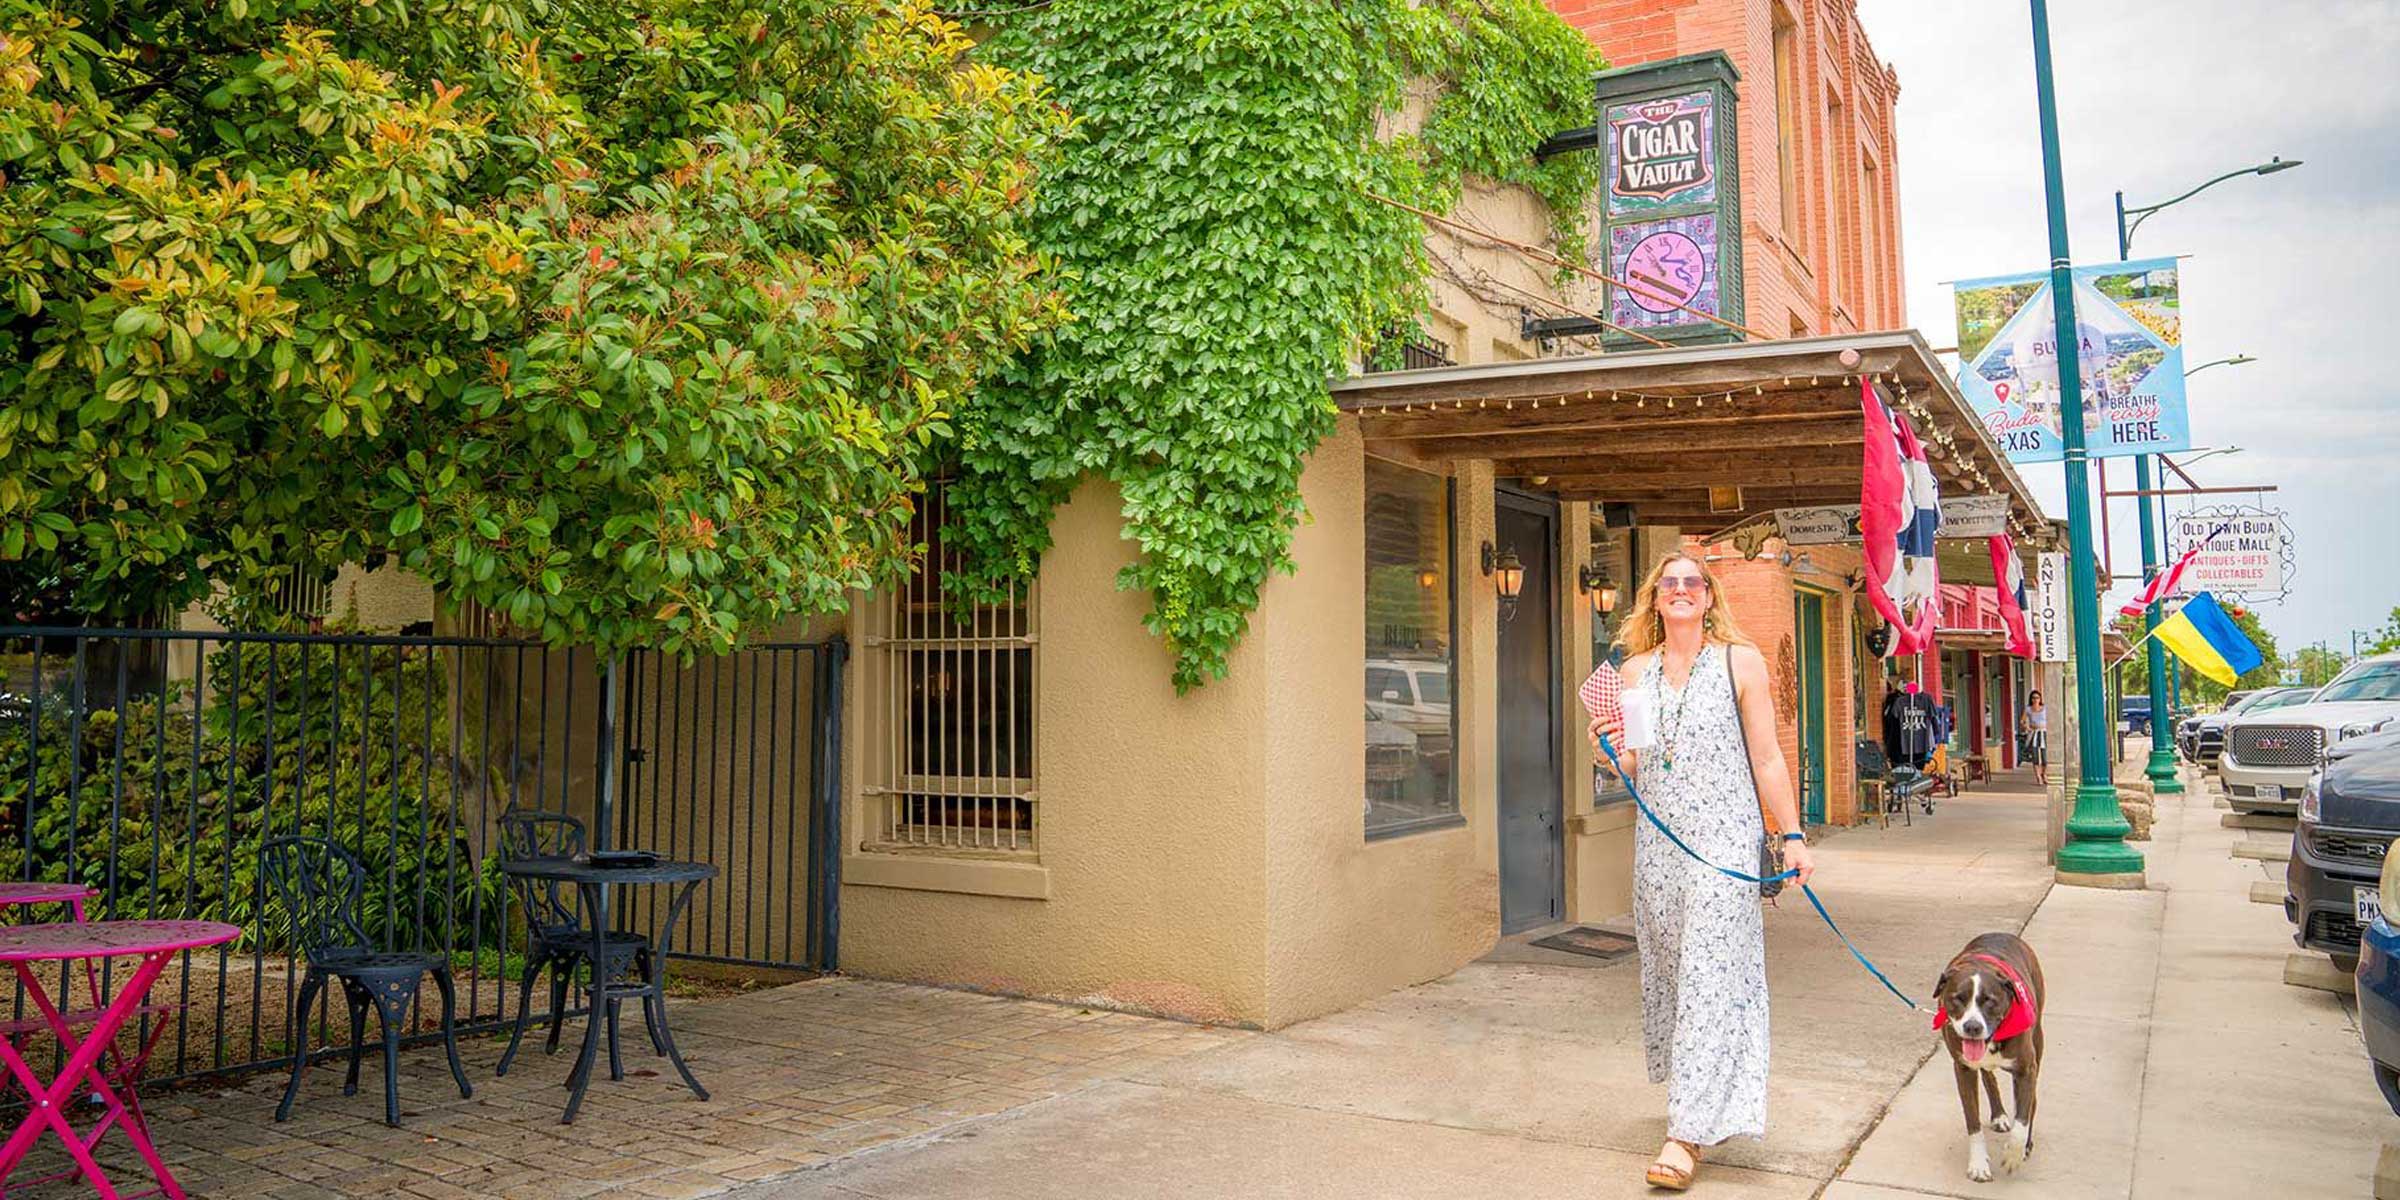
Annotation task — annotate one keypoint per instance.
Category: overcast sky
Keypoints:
(2297, 268)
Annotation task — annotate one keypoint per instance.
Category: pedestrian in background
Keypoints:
(1715, 773)
(2037, 736)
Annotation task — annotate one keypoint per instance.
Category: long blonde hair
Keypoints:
(1644, 629)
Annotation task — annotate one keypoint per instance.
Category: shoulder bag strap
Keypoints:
(1741, 727)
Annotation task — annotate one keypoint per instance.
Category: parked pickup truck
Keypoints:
(2203, 736)
(2269, 755)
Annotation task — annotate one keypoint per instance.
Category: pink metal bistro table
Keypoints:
(24, 948)
(28, 894)
(122, 1069)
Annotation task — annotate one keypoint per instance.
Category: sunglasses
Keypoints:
(1682, 583)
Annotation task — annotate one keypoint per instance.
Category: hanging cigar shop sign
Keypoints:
(1662, 152)
(1671, 223)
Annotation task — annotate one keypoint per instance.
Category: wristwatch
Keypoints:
(1795, 837)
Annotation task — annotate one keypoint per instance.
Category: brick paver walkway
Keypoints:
(797, 1074)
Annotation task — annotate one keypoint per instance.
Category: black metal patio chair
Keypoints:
(1890, 787)
(556, 940)
(319, 884)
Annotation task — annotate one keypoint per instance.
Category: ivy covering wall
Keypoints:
(1224, 257)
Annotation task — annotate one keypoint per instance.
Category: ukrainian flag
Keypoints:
(2202, 635)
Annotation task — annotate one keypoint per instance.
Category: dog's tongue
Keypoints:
(1971, 1049)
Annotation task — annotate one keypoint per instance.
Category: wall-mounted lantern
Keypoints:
(1599, 587)
(1508, 577)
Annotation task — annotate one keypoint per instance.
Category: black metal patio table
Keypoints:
(592, 881)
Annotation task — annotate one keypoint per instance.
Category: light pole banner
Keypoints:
(2129, 320)
(2246, 558)
(2049, 615)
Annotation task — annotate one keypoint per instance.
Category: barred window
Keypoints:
(946, 707)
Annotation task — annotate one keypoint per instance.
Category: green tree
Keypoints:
(2317, 665)
(2387, 639)
(640, 331)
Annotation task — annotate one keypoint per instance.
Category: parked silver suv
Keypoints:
(2268, 755)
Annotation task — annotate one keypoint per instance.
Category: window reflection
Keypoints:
(1410, 664)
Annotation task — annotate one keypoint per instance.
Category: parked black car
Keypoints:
(2349, 813)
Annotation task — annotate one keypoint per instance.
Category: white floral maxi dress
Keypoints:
(1702, 937)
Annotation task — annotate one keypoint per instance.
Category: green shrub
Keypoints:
(164, 802)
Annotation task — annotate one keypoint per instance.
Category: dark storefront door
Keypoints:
(1532, 858)
(1808, 621)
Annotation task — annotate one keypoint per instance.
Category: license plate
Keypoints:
(2268, 791)
(2370, 904)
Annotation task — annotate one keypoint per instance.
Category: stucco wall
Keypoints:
(1153, 817)
(1349, 918)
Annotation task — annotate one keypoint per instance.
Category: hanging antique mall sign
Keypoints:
(2243, 551)
(1672, 217)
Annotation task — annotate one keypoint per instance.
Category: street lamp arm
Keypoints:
(2235, 361)
(2143, 212)
(2147, 209)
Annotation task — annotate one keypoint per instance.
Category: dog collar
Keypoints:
(2021, 1013)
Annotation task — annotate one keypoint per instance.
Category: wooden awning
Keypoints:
(1675, 432)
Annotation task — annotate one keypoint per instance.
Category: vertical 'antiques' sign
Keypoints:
(2050, 608)
(2129, 323)
(1671, 224)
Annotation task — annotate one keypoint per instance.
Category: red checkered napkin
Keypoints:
(1602, 693)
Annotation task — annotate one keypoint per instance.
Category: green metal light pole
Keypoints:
(2161, 768)
(2095, 853)
(2164, 779)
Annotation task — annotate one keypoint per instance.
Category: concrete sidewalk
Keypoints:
(2178, 1063)
(1516, 1078)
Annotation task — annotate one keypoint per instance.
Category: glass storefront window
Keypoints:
(1411, 661)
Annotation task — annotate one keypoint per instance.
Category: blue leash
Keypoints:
(1730, 873)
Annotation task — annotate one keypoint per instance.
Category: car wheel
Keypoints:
(2348, 963)
(2388, 1080)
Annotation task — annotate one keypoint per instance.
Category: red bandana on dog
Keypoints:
(2020, 1012)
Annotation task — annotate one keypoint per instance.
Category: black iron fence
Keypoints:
(151, 765)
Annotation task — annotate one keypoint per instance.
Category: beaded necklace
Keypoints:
(1670, 720)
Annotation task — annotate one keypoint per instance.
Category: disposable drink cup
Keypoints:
(1637, 719)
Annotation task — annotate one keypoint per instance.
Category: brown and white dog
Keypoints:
(1990, 1000)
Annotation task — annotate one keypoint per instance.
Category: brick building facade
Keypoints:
(1820, 177)
(1763, 594)
(1821, 255)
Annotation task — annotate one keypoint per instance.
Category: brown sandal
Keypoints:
(1666, 1175)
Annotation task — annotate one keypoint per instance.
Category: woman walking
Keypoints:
(1714, 762)
(2037, 737)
